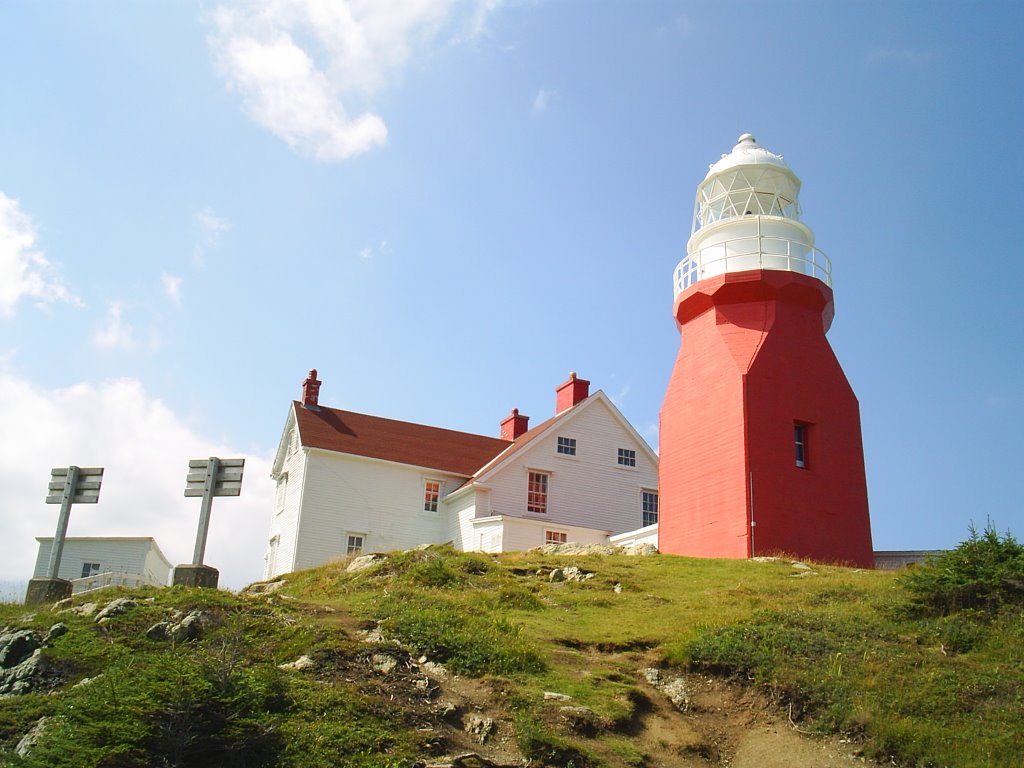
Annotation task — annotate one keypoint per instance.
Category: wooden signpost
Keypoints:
(207, 478)
(68, 485)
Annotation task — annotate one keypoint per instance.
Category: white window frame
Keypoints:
(647, 494)
(555, 537)
(566, 446)
(90, 569)
(353, 549)
(627, 458)
(431, 501)
(282, 491)
(543, 494)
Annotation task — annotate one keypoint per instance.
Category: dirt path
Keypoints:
(724, 724)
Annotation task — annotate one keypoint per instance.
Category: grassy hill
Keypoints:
(561, 660)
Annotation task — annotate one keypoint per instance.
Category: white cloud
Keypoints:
(144, 449)
(115, 333)
(24, 272)
(543, 99)
(292, 61)
(369, 253)
(211, 227)
(172, 287)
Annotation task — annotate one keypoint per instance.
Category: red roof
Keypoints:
(460, 453)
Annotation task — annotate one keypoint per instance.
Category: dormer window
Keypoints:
(567, 446)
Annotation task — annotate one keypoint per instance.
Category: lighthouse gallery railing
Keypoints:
(752, 252)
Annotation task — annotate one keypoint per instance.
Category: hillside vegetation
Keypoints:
(555, 659)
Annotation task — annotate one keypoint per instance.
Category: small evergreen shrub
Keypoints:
(984, 573)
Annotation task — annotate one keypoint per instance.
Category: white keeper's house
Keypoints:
(349, 483)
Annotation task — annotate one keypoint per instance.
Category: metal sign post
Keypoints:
(207, 478)
(68, 485)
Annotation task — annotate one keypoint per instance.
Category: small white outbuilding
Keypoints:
(91, 562)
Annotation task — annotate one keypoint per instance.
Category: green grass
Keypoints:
(916, 667)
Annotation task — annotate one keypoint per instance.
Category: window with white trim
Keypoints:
(627, 457)
(282, 490)
(354, 545)
(649, 507)
(537, 492)
(431, 495)
(800, 444)
(555, 537)
(90, 569)
(567, 445)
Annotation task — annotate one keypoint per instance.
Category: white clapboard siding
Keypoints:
(459, 513)
(380, 500)
(588, 490)
(281, 545)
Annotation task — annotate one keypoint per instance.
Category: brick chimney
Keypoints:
(311, 391)
(571, 392)
(514, 425)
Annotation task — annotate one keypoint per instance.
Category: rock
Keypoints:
(557, 575)
(383, 663)
(263, 587)
(19, 679)
(434, 670)
(617, 589)
(467, 760)
(551, 696)
(800, 566)
(85, 609)
(17, 646)
(370, 635)
(640, 550)
(190, 627)
(160, 631)
(572, 573)
(301, 663)
(445, 709)
(363, 562)
(30, 739)
(115, 607)
(572, 548)
(674, 688)
(57, 630)
(480, 727)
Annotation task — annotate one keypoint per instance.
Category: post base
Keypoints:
(196, 576)
(47, 590)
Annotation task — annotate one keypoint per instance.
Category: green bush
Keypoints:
(983, 573)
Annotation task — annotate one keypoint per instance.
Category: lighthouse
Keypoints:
(761, 449)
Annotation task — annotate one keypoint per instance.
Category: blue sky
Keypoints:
(445, 207)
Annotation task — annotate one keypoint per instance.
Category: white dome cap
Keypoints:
(748, 152)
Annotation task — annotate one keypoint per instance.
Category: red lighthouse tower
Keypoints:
(761, 447)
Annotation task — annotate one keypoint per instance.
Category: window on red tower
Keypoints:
(537, 492)
(800, 444)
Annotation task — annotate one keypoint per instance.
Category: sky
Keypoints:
(444, 207)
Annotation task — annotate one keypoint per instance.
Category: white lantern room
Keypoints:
(747, 216)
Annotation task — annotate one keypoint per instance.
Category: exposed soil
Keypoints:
(724, 723)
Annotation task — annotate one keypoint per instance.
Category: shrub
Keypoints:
(983, 573)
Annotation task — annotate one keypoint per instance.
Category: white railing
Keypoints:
(111, 579)
(752, 252)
